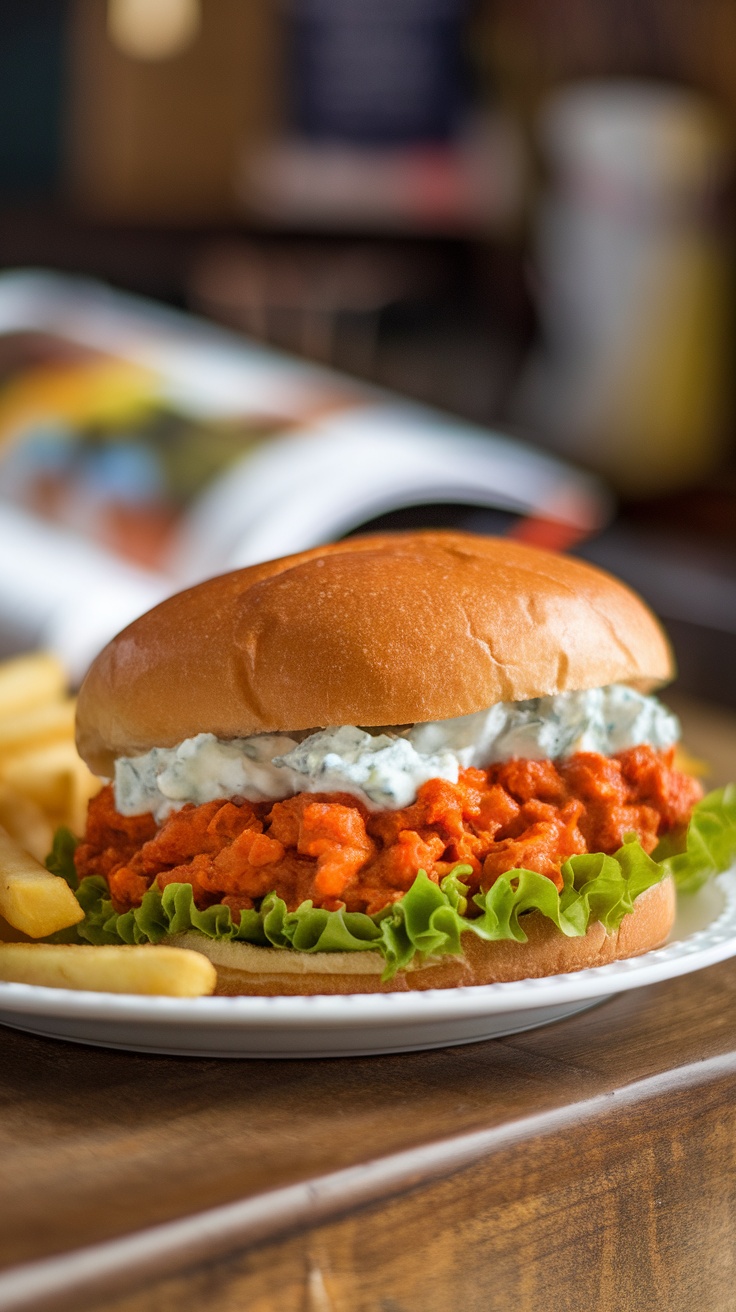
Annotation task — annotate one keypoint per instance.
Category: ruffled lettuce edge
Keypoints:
(430, 918)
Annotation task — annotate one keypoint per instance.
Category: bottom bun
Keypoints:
(245, 969)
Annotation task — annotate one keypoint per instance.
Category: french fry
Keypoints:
(43, 782)
(32, 899)
(45, 773)
(84, 785)
(10, 935)
(29, 681)
(53, 722)
(689, 764)
(25, 821)
(175, 972)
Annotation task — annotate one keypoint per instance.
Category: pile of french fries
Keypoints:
(43, 781)
(43, 784)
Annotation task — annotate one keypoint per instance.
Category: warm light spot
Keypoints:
(153, 29)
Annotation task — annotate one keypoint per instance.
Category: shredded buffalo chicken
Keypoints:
(331, 849)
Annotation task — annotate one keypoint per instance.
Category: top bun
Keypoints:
(390, 629)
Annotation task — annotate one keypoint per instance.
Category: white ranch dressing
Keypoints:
(384, 770)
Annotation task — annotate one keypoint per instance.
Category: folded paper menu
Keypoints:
(142, 449)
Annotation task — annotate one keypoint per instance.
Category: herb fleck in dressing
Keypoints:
(385, 770)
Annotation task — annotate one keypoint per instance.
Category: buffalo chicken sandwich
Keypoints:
(398, 762)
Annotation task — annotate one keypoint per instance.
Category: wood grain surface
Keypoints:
(613, 1149)
(589, 1165)
(628, 1213)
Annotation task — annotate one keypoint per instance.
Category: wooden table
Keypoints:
(589, 1166)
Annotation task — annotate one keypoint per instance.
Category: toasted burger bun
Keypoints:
(242, 968)
(391, 629)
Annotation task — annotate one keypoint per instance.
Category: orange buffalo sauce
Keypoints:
(331, 849)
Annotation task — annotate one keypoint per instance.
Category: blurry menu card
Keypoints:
(142, 449)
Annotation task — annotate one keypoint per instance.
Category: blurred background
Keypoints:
(280, 270)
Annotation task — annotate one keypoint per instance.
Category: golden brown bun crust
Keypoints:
(240, 968)
(390, 629)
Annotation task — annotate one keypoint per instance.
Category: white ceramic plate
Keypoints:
(704, 933)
